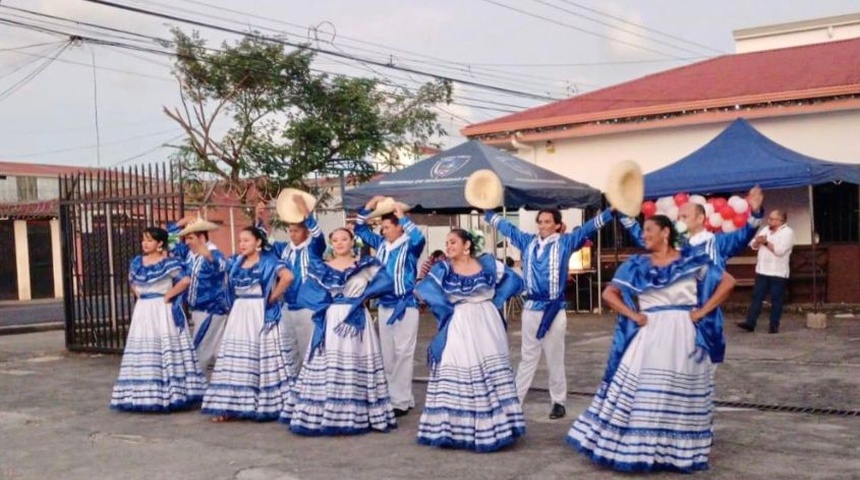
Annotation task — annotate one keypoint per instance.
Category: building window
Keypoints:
(837, 208)
(27, 189)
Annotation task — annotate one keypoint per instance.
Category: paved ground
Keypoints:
(54, 421)
(17, 316)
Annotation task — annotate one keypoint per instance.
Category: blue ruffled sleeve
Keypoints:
(317, 246)
(625, 327)
(314, 296)
(430, 290)
(710, 336)
(270, 265)
(508, 284)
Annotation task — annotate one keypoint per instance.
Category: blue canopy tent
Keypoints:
(436, 184)
(739, 158)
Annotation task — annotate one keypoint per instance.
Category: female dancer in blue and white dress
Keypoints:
(254, 370)
(654, 408)
(471, 400)
(159, 370)
(342, 388)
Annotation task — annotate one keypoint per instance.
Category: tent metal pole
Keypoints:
(505, 241)
(814, 257)
(599, 275)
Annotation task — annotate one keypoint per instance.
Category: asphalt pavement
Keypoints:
(55, 422)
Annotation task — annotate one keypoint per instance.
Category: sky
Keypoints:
(515, 53)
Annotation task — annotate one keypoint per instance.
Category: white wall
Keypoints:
(828, 136)
(794, 38)
(22, 259)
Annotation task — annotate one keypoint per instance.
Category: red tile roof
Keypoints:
(32, 210)
(38, 169)
(804, 72)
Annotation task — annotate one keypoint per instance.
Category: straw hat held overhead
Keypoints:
(625, 188)
(484, 190)
(289, 208)
(386, 206)
(198, 225)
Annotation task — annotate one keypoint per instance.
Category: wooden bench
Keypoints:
(739, 267)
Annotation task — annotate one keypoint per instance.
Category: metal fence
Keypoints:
(102, 216)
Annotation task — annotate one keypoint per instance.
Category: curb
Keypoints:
(32, 328)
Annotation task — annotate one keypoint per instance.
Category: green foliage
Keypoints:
(258, 118)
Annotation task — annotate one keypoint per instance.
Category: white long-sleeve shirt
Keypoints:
(774, 263)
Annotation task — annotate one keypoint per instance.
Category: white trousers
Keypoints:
(208, 348)
(297, 328)
(552, 346)
(398, 354)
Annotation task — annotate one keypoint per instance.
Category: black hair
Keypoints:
(201, 234)
(157, 234)
(437, 254)
(259, 234)
(298, 224)
(663, 221)
(554, 212)
(344, 229)
(391, 218)
(466, 237)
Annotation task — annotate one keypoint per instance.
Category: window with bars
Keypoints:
(837, 208)
(28, 190)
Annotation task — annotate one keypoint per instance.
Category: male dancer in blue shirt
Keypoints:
(306, 242)
(720, 246)
(205, 296)
(398, 248)
(544, 320)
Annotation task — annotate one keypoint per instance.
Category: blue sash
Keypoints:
(549, 313)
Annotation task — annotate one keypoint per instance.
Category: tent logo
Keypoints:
(447, 165)
(518, 166)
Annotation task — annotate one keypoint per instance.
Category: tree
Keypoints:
(258, 118)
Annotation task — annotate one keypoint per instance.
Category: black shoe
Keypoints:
(773, 330)
(558, 411)
(746, 326)
(399, 413)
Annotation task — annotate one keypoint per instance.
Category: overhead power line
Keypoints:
(562, 24)
(26, 47)
(322, 51)
(30, 76)
(643, 27)
(137, 37)
(459, 66)
(488, 105)
(616, 27)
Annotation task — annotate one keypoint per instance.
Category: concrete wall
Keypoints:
(22, 260)
(791, 37)
(828, 136)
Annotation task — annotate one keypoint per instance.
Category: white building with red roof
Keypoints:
(30, 230)
(797, 83)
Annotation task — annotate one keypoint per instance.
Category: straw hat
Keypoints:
(386, 206)
(287, 208)
(484, 190)
(198, 225)
(625, 188)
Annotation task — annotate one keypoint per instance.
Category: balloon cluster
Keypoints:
(721, 215)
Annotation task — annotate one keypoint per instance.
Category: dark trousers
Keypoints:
(764, 284)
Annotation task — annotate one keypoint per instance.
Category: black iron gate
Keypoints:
(102, 216)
